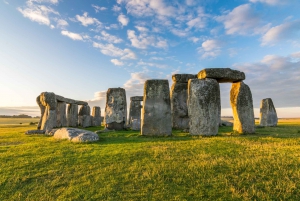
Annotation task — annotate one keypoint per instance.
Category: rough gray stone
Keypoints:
(242, 106)
(203, 106)
(76, 135)
(96, 113)
(72, 115)
(42, 109)
(61, 118)
(115, 109)
(135, 109)
(268, 115)
(70, 101)
(136, 124)
(49, 118)
(84, 117)
(180, 118)
(222, 74)
(183, 78)
(156, 111)
(84, 110)
(48, 99)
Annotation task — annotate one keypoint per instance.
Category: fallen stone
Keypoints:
(268, 115)
(222, 74)
(76, 135)
(203, 106)
(242, 106)
(115, 109)
(156, 111)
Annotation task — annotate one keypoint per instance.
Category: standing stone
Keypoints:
(180, 118)
(61, 118)
(242, 106)
(268, 115)
(48, 100)
(72, 115)
(135, 110)
(156, 111)
(96, 113)
(42, 108)
(84, 117)
(203, 106)
(115, 109)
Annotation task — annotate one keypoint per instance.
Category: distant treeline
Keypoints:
(17, 116)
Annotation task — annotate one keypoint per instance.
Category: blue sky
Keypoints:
(80, 48)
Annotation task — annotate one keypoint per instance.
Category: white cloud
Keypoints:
(157, 65)
(180, 33)
(62, 23)
(190, 2)
(210, 48)
(38, 13)
(296, 55)
(194, 39)
(85, 20)
(142, 29)
(43, 1)
(286, 31)
(73, 36)
(197, 22)
(143, 40)
(109, 38)
(270, 2)
(116, 62)
(98, 8)
(123, 19)
(116, 8)
(113, 51)
(242, 20)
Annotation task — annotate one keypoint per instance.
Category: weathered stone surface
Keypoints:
(180, 118)
(84, 110)
(135, 109)
(268, 115)
(115, 109)
(222, 74)
(85, 121)
(203, 106)
(48, 99)
(156, 111)
(183, 78)
(72, 115)
(96, 113)
(42, 109)
(70, 101)
(242, 106)
(61, 118)
(76, 135)
(31, 132)
(49, 118)
(136, 124)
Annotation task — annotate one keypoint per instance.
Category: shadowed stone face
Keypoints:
(135, 110)
(203, 106)
(242, 107)
(156, 111)
(268, 115)
(72, 115)
(42, 108)
(96, 113)
(61, 118)
(222, 74)
(115, 109)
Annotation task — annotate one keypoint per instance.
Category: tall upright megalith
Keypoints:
(203, 106)
(84, 116)
(61, 118)
(48, 100)
(42, 109)
(96, 113)
(72, 115)
(115, 109)
(156, 111)
(242, 107)
(268, 115)
(135, 112)
(180, 118)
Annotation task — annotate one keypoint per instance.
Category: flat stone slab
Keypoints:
(76, 135)
(222, 74)
(183, 78)
(70, 101)
(136, 98)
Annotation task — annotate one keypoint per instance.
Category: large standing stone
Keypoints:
(268, 115)
(156, 111)
(42, 108)
(242, 106)
(180, 118)
(96, 113)
(84, 117)
(48, 100)
(76, 135)
(115, 109)
(72, 115)
(222, 74)
(135, 109)
(203, 106)
(61, 118)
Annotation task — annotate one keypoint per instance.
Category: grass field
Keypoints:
(126, 166)
(4, 121)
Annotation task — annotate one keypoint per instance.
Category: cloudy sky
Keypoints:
(80, 48)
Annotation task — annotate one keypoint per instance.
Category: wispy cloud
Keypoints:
(123, 19)
(113, 51)
(86, 20)
(109, 38)
(210, 48)
(73, 36)
(116, 62)
(98, 8)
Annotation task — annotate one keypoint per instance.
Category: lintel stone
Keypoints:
(222, 75)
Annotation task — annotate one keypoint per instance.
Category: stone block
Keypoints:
(222, 74)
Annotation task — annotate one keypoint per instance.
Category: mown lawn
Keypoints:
(126, 166)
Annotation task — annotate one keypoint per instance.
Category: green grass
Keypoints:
(18, 120)
(126, 166)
